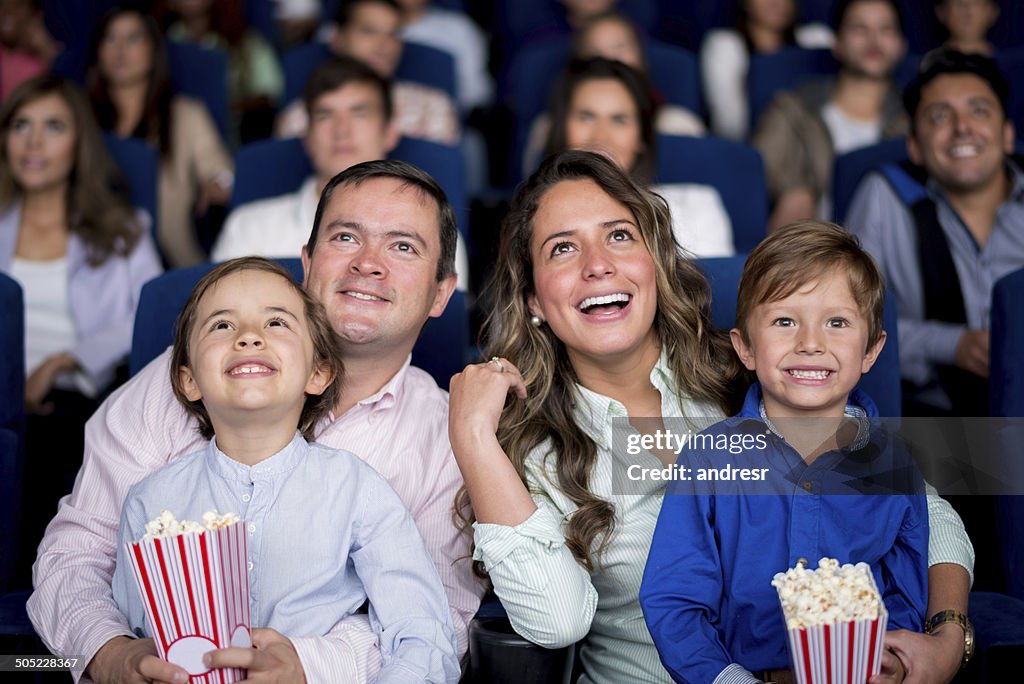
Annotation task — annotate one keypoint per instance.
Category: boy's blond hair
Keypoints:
(800, 253)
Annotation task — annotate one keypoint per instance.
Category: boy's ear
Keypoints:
(188, 384)
(319, 380)
(871, 355)
(743, 350)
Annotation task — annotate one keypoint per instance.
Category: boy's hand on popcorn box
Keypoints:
(929, 659)
(273, 659)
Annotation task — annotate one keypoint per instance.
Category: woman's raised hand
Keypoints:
(477, 396)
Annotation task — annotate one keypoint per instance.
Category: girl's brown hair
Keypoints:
(326, 348)
(98, 210)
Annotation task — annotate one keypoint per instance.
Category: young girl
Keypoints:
(255, 356)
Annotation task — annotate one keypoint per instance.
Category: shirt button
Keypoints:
(808, 485)
(251, 565)
(246, 497)
(252, 529)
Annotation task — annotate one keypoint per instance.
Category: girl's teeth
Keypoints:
(809, 374)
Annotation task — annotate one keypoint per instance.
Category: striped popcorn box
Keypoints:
(844, 652)
(835, 622)
(195, 589)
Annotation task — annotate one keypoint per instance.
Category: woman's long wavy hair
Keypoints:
(155, 125)
(700, 357)
(98, 210)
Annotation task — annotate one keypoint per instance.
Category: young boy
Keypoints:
(255, 356)
(809, 324)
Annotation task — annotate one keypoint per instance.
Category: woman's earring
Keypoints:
(535, 321)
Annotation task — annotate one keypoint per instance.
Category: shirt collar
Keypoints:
(281, 462)
(594, 412)
(859, 407)
(391, 392)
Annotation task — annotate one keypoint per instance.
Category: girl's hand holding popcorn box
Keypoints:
(194, 585)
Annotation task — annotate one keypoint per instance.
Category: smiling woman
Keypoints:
(81, 258)
(597, 315)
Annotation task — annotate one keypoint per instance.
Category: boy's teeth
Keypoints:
(604, 299)
(809, 374)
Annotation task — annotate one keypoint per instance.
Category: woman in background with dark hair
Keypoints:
(129, 86)
(764, 26)
(81, 257)
(603, 105)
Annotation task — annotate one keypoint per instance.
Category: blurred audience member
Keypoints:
(967, 23)
(370, 31)
(350, 108)
(255, 79)
(764, 26)
(605, 106)
(613, 35)
(456, 34)
(26, 47)
(296, 20)
(802, 131)
(81, 257)
(941, 255)
(129, 86)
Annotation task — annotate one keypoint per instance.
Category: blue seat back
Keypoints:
(792, 66)
(1007, 339)
(269, 168)
(297, 64)
(202, 73)
(441, 349)
(12, 353)
(419, 64)
(882, 382)
(291, 167)
(429, 66)
(139, 164)
(1011, 62)
(12, 419)
(850, 169)
(734, 169)
(786, 69)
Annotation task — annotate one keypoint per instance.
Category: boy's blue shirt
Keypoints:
(707, 594)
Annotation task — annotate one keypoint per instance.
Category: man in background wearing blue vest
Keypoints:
(946, 227)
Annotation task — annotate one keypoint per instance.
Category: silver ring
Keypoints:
(497, 362)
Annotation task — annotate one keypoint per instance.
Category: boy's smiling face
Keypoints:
(809, 349)
(251, 350)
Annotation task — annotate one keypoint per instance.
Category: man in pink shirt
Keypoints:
(381, 260)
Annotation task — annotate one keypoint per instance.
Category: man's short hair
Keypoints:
(800, 253)
(843, 6)
(943, 62)
(347, 9)
(409, 176)
(337, 72)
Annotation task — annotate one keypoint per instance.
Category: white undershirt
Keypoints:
(847, 135)
(49, 325)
